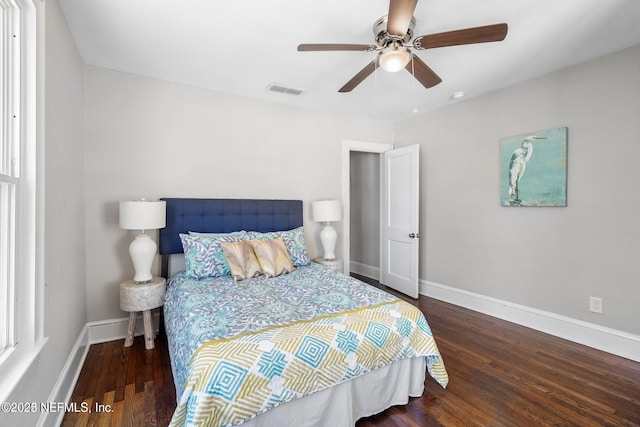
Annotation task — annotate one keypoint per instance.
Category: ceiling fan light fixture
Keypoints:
(394, 58)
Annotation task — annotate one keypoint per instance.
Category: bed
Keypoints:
(305, 346)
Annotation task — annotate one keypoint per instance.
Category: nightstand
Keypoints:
(335, 264)
(144, 297)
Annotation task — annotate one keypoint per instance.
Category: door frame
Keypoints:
(349, 145)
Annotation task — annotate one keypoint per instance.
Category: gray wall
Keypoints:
(65, 291)
(551, 259)
(364, 236)
(151, 138)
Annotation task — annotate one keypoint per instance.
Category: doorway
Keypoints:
(364, 221)
(365, 213)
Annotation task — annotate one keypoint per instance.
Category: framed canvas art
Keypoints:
(533, 169)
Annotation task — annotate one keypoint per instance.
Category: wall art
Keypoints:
(533, 169)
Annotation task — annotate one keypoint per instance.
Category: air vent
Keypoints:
(276, 87)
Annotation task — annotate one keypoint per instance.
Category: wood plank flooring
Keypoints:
(500, 374)
(133, 385)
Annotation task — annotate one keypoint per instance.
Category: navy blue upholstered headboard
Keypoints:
(224, 216)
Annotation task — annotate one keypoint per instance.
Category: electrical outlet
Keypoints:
(595, 304)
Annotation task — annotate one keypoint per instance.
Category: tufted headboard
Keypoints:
(224, 216)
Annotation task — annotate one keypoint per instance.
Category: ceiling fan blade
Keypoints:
(487, 33)
(399, 18)
(327, 46)
(422, 72)
(358, 78)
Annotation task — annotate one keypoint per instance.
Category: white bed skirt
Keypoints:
(344, 404)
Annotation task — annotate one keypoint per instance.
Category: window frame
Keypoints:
(28, 276)
(9, 169)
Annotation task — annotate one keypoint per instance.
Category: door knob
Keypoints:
(414, 235)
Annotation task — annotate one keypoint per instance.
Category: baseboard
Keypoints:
(116, 329)
(364, 270)
(67, 379)
(599, 337)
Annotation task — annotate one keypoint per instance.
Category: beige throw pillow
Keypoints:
(272, 256)
(241, 259)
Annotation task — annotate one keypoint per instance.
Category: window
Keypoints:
(18, 326)
(9, 168)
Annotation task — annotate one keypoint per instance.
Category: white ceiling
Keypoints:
(240, 47)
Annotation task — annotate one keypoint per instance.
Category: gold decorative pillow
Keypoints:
(241, 259)
(272, 256)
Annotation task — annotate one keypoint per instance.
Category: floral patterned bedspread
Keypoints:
(200, 315)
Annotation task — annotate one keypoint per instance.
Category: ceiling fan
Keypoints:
(393, 42)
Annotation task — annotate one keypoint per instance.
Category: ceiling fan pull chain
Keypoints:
(375, 89)
(413, 72)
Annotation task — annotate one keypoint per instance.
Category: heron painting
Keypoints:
(534, 169)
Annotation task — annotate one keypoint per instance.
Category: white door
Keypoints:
(399, 220)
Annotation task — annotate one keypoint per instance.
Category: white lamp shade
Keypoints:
(143, 215)
(326, 210)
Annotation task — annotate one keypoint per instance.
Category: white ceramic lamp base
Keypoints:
(142, 251)
(328, 236)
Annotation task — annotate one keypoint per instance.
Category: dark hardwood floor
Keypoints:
(500, 374)
(134, 385)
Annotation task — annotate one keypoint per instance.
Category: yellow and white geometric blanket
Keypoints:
(234, 379)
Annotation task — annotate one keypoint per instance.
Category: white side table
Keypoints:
(335, 263)
(142, 297)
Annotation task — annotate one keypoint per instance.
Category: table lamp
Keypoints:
(327, 211)
(142, 215)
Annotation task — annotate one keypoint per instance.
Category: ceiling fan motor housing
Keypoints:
(383, 38)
